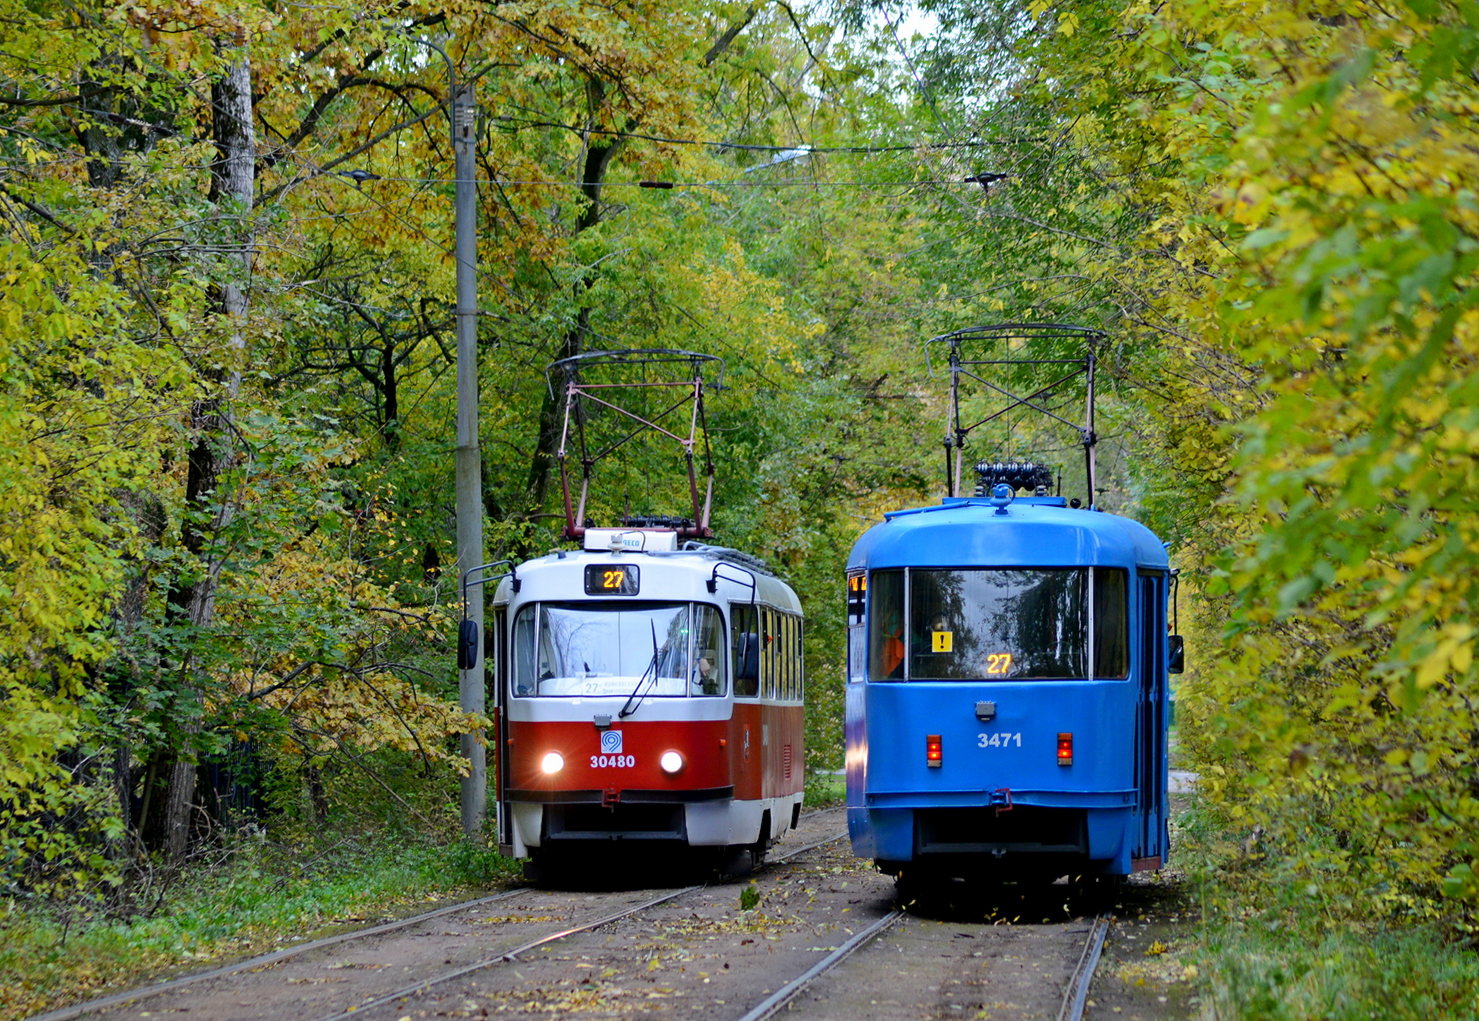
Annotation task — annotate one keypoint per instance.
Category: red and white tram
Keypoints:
(646, 693)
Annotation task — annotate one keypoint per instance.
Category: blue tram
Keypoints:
(1008, 659)
(1007, 690)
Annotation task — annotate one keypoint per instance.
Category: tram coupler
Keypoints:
(1001, 799)
(611, 797)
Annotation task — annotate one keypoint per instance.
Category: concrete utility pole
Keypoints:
(469, 464)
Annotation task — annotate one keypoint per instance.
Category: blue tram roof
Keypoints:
(1034, 532)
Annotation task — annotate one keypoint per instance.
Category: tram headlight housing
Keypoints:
(670, 761)
(552, 763)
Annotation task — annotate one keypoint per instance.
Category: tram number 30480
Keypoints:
(999, 740)
(618, 761)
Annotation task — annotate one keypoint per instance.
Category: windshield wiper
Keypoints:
(651, 668)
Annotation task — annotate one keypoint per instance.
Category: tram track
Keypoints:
(1071, 1008)
(1076, 995)
(888, 962)
(813, 933)
(407, 992)
(776, 1001)
(338, 951)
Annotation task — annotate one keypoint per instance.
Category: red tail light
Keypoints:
(932, 750)
(1065, 749)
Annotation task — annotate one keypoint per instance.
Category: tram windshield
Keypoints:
(596, 649)
(986, 624)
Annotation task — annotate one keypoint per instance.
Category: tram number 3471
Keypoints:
(619, 761)
(1000, 740)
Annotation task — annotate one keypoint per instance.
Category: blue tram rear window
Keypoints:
(995, 624)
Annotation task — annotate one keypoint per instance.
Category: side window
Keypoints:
(857, 654)
(768, 672)
(789, 652)
(708, 651)
(744, 645)
(800, 692)
(886, 625)
(857, 642)
(1111, 623)
(495, 662)
(783, 655)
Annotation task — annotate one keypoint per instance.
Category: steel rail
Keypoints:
(1077, 993)
(786, 993)
(423, 986)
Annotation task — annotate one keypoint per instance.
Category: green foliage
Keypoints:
(749, 898)
(824, 790)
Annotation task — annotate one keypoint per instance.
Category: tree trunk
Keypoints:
(192, 604)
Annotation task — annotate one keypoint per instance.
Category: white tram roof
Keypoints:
(663, 573)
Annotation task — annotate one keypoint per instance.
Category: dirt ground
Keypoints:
(1146, 973)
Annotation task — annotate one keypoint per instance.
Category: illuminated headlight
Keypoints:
(552, 762)
(670, 762)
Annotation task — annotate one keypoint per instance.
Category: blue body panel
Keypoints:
(995, 773)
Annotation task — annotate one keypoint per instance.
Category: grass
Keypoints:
(1275, 950)
(1306, 971)
(248, 899)
(825, 790)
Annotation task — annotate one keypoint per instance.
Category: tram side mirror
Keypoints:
(467, 644)
(747, 658)
(1177, 662)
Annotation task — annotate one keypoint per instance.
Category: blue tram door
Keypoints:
(1150, 724)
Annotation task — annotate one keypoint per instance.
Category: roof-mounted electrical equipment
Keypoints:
(645, 390)
(966, 364)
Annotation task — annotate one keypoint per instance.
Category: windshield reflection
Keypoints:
(998, 624)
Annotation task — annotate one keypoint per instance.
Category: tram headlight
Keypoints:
(670, 761)
(552, 763)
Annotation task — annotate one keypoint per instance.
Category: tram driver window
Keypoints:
(523, 644)
(707, 676)
(998, 624)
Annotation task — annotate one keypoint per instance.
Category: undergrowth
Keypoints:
(1266, 968)
(1274, 947)
(824, 790)
(251, 897)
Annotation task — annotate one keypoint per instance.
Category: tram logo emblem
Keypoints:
(610, 742)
